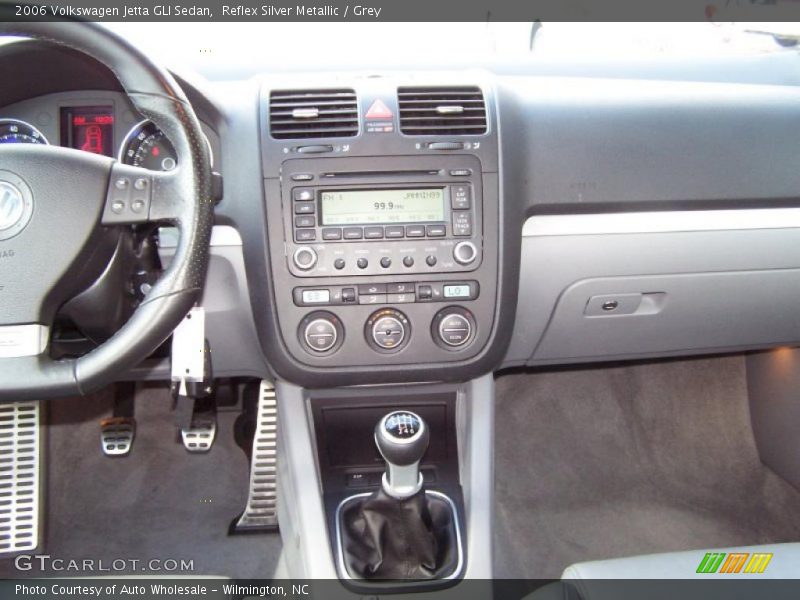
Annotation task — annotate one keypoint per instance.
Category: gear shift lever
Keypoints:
(402, 438)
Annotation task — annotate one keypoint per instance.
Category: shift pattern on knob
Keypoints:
(402, 438)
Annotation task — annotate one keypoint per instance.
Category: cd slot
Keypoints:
(373, 174)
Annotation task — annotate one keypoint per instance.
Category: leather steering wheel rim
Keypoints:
(184, 201)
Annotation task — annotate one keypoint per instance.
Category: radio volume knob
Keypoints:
(305, 258)
(465, 253)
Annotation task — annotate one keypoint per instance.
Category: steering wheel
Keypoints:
(56, 203)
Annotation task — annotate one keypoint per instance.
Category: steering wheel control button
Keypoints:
(387, 330)
(465, 253)
(321, 333)
(305, 258)
(453, 328)
(128, 197)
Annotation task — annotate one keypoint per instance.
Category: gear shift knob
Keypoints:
(402, 438)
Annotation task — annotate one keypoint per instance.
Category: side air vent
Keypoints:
(442, 110)
(297, 114)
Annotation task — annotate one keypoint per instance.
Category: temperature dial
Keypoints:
(387, 330)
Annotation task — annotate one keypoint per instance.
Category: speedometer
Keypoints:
(13, 131)
(148, 147)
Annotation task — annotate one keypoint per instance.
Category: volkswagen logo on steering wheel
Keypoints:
(16, 205)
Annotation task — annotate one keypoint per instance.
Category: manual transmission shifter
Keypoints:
(402, 439)
(400, 531)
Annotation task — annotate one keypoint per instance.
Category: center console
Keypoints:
(385, 248)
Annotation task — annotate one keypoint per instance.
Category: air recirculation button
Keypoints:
(387, 330)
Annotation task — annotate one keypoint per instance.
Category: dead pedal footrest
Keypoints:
(20, 464)
(261, 512)
(116, 435)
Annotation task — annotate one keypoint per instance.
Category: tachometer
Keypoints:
(148, 147)
(13, 131)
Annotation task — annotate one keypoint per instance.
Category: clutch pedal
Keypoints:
(261, 512)
(20, 464)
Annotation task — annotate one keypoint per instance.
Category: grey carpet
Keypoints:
(160, 502)
(602, 463)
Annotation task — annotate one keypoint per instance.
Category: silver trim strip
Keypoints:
(23, 340)
(662, 222)
(221, 235)
(342, 568)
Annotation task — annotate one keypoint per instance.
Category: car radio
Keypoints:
(415, 218)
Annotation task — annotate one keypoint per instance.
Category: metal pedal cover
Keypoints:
(116, 435)
(201, 435)
(261, 512)
(20, 462)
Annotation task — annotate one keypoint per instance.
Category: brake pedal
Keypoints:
(200, 436)
(261, 512)
(116, 435)
(20, 464)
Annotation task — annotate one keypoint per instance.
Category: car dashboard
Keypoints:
(430, 226)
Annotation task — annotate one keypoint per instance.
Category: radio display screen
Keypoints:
(368, 207)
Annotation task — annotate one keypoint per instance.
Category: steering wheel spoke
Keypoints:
(28, 339)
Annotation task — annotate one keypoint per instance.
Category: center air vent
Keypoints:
(297, 114)
(442, 110)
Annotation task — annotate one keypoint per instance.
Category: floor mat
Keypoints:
(602, 463)
(158, 503)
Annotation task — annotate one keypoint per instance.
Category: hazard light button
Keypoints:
(379, 110)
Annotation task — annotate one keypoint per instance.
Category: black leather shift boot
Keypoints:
(386, 538)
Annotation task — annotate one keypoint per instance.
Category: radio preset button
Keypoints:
(435, 230)
(304, 208)
(304, 258)
(395, 231)
(339, 264)
(302, 194)
(415, 230)
(373, 233)
(305, 235)
(353, 233)
(305, 221)
(332, 233)
(386, 262)
(465, 253)
(362, 263)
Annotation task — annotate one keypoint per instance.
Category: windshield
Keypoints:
(207, 47)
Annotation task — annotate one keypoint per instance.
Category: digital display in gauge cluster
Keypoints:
(88, 128)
